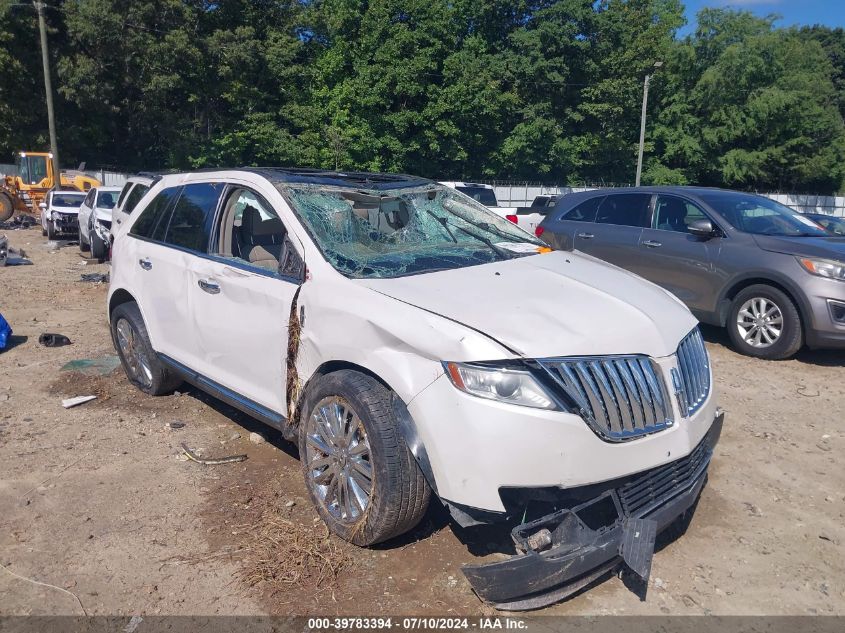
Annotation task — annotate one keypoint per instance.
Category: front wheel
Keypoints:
(360, 474)
(51, 232)
(84, 245)
(98, 246)
(764, 322)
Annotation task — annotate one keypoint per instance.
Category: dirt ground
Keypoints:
(99, 502)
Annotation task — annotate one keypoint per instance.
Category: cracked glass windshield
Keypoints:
(374, 234)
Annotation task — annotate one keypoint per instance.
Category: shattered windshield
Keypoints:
(374, 234)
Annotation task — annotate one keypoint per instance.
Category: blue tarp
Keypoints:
(5, 332)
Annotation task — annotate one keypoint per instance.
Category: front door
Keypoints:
(678, 261)
(241, 302)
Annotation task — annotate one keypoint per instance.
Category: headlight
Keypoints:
(513, 386)
(824, 267)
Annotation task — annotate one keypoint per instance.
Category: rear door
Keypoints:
(158, 275)
(680, 262)
(560, 231)
(615, 235)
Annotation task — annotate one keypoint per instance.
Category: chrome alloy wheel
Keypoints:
(133, 352)
(759, 322)
(337, 459)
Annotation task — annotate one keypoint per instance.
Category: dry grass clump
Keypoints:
(284, 553)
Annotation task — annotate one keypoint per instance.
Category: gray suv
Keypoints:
(772, 276)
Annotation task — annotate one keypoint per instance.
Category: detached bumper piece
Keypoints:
(565, 551)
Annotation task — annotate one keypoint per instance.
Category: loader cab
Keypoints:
(33, 169)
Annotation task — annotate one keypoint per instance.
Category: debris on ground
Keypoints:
(284, 553)
(49, 339)
(175, 425)
(232, 459)
(5, 332)
(95, 278)
(102, 366)
(19, 222)
(257, 438)
(12, 256)
(74, 402)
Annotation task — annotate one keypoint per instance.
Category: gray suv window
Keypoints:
(584, 212)
(625, 209)
(675, 214)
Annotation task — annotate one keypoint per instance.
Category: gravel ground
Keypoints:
(99, 502)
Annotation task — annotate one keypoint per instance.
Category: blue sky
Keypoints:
(828, 12)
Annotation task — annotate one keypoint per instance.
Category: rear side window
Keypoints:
(625, 209)
(134, 197)
(190, 223)
(123, 193)
(151, 216)
(584, 212)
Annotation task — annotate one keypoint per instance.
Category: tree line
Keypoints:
(539, 90)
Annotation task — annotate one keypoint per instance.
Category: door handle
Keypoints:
(652, 244)
(585, 236)
(209, 286)
(145, 263)
(119, 221)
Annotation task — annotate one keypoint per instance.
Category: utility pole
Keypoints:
(642, 124)
(48, 90)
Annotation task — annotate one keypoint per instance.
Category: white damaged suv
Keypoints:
(415, 343)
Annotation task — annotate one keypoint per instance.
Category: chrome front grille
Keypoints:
(692, 378)
(620, 397)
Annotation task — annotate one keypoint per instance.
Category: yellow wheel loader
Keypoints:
(36, 176)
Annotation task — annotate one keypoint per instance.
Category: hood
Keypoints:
(555, 304)
(826, 247)
(103, 214)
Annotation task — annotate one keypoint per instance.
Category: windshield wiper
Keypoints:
(496, 249)
(445, 223)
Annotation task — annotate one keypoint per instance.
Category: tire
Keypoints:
(399, 493)
(757, 301)
(6, 207)
(98, 247)
(50, 232)
(143, 367)
(84, 246)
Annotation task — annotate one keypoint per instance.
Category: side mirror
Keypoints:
(702, 228)
(42, 206)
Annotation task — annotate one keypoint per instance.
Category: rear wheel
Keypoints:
(140, 362)
(764, 322)
(360, 474)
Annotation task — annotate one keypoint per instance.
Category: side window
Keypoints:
(123, 193)
(190, 222)
(89, 199)
(151, 217)
(133, 198)
(252, 232)
(584, 212)
(625, 209)
(675, 214)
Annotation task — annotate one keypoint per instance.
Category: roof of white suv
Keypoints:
(304, 175)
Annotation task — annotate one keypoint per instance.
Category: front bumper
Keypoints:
(568, 549)
(66, 223)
